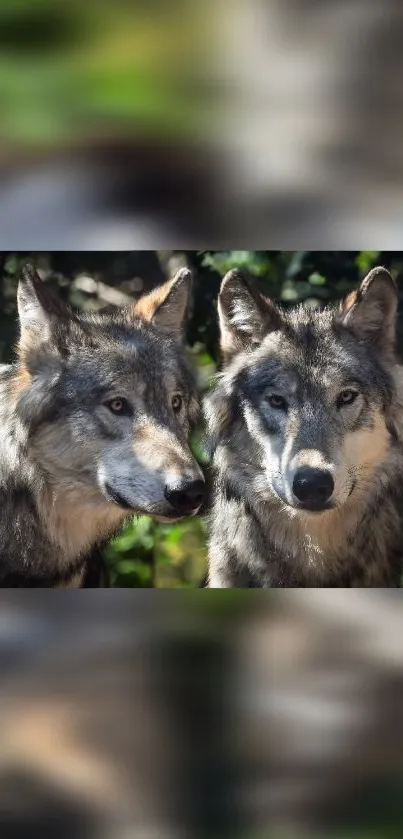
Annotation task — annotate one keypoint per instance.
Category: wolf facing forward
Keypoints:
(95, 416)
(306, 426)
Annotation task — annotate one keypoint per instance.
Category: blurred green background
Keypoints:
(148, 554)
(73, 71)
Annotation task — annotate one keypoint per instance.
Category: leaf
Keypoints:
(366, 260)
(317, 279)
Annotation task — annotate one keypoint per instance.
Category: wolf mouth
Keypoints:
(117, 498)
(315, 508)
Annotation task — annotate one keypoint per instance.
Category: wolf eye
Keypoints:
(117, 406)
(177, 402)
(277, 402)
(346, 397)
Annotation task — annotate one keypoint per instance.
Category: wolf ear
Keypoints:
(38, 308)
(371, 310)
(245, 315)
(166, 306)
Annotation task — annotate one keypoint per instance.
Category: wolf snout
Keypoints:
(313, 487)
(186, 496)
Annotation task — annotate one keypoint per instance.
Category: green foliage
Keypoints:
(255, 262)
(150, 555)
(130, 556)
(71, 70)
(366, 260)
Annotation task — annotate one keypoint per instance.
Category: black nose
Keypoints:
(185, 496)
(314, 487)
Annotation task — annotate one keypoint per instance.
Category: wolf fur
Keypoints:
(307, 392)
(95, 417)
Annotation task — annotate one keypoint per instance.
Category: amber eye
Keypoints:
(277, 402)
(177, 402)
(346, 397)
(117, 406)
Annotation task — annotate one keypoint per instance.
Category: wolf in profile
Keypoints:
(95, 415)
(306, 428)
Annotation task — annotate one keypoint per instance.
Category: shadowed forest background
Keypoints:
(147, 554)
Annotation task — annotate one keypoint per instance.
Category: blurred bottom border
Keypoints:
(250, 714)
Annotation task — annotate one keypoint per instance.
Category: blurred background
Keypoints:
(276, 122)
(244, 715)
(149, 554)
(272, 123)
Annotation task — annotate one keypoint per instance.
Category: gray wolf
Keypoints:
(305, 424)
(95, 415)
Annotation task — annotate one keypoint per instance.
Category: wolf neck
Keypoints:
(74, 522)
(319, 535)
(69, 522)
(316, 536)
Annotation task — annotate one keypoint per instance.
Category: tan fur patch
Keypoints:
(367, 448)
(75, 522)
(158, 446)
(149, 304)
(166, 306)
(348, 301)
(21, 380)
(75, 581)
(28, 342)
(312, 535)
(323, 532)
(363, 451)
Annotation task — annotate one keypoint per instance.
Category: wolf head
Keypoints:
(108, 400)
(304, 395)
